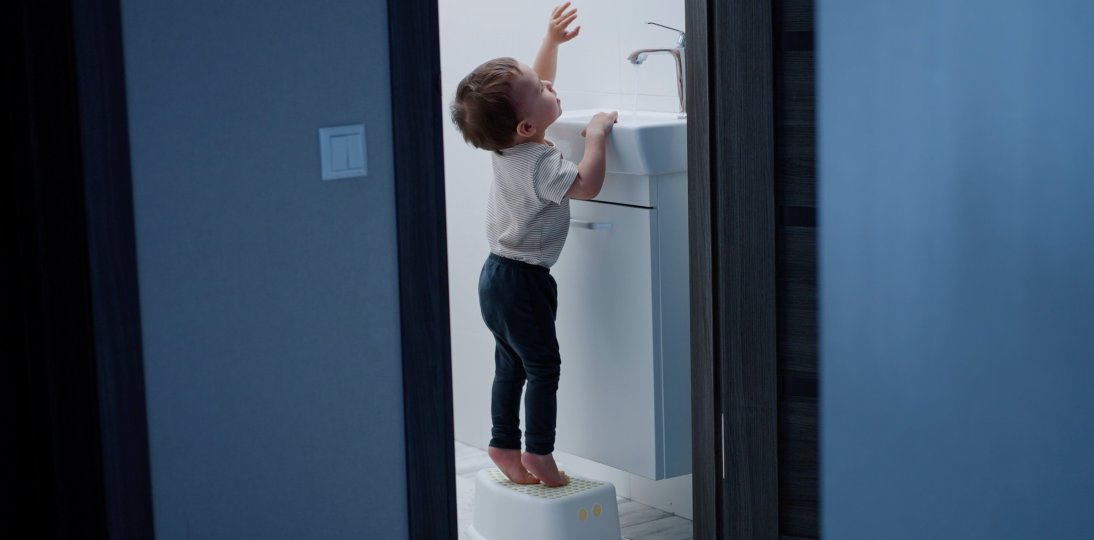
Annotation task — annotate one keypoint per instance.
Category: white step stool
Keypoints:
(581, 510)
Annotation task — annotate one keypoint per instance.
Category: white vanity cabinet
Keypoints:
(623, 320)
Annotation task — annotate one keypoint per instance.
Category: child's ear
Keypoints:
(525, 129)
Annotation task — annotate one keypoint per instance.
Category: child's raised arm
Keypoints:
(557, 34)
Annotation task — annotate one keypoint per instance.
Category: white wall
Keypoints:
(957, 297)
(592, 73)
(268, 297)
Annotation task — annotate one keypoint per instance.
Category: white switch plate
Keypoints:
(343, 151)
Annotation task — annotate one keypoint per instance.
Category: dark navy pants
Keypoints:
(519, 302)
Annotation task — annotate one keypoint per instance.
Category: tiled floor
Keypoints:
(639, 522)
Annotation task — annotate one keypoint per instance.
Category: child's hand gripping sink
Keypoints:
(642, 143)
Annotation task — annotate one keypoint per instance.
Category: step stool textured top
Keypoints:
(576, 485)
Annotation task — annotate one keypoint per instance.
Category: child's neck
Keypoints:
(538, 139)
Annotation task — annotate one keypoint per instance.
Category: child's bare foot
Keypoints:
(545, 469)
(508, 461)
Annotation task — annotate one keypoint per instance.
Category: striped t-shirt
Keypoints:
(528, 214)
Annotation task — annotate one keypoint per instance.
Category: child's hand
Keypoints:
(560, 19)
(601, 123)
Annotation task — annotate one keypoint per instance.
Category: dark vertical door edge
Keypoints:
(742, 138)
(112, 256)
(423, 268)
(78, 410)
(732, 231)
(58, 477)
(706, 428)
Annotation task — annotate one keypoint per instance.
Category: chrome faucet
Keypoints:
(677, 52)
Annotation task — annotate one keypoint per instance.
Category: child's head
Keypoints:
(503, 102)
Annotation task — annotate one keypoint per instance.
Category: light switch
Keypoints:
(342, 151)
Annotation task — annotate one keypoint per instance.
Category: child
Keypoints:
(505, 106)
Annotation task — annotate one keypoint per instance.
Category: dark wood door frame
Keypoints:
(732, 251)
(732, 237)
(423, 267)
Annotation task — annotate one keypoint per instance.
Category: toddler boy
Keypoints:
(505, 106)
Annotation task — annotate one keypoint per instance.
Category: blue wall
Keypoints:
(269, 298)
(956, 166)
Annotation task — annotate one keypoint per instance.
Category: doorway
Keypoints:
(752, 236)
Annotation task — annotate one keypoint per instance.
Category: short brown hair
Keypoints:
(483, 110)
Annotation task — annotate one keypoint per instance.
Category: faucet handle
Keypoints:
(680, 39)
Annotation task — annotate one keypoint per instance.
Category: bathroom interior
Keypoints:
(622, 326)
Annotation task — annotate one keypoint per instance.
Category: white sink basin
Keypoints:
(643, 143)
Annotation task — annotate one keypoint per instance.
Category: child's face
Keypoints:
(537, 102)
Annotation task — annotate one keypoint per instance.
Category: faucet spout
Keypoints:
(639, 56)
(677, 53)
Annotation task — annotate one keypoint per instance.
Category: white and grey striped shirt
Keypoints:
(528, 214)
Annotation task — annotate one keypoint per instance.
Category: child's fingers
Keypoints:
(566, 19)
(558, 9)
(572, 34)
(564, 14)
(562, 22)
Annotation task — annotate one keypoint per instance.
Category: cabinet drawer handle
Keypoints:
(594, 225)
